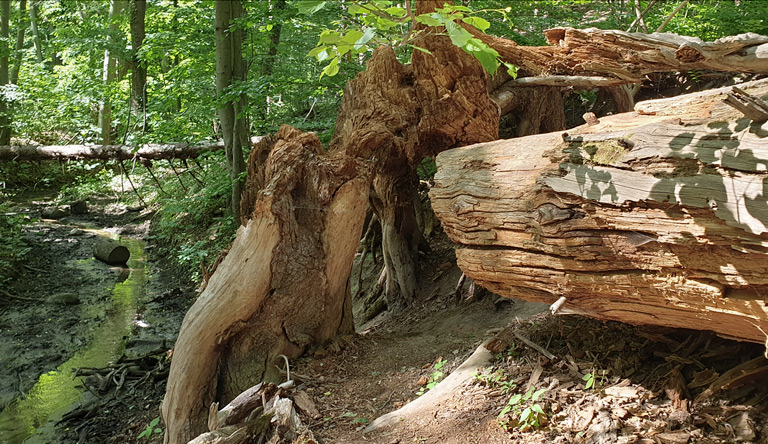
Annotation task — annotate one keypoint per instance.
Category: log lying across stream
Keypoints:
(659, 216)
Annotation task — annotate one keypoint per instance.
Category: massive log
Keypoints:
(658, 216)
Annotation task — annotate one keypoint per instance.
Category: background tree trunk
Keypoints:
(652, 217)
(18, 53)
(139, 70)
(274, 38)
(33, 22)
(5, 121)
(230, 69)
(108, 73)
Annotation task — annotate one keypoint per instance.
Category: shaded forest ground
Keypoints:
(644, 379)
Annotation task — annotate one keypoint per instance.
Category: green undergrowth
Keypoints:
(194, 223)
(13, 248)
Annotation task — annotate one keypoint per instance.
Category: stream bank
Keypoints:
(73, 312)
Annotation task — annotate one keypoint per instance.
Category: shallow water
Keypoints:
(55, 393)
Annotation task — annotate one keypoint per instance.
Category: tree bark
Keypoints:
(230, 70)
(17, 55)
(651, 217)
(33, 22)
(625, 56)
(5, 121)
(105, 152)
(108, 74)
(138, 68)
(282, 287)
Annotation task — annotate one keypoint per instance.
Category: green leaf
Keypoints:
(489, 60)
(479, 23)
(526, 415)
(365, 38)
(459, 36)
(396, 11)
(538, 394)
(332, 69)
(537, 408)
(315, 52)
(511, 69)
(421, 49)
(429, 19)
(356, 9)
(330, 37)
(309, 7)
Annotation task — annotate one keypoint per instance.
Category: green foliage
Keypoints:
(525, 411)
(386, 22)
(13, 248)
(593, 380)
(434, 378)
(151, 429)
(193, 225)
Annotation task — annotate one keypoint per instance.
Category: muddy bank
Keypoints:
(70, 311)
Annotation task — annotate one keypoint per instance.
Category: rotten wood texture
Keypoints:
(106, 152)
(595, 57)
(283, 285)
(647, 218)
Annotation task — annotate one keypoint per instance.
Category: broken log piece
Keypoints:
(106, 152)
(111, 252)
(238, 409)
(752, 107)
(643, 219)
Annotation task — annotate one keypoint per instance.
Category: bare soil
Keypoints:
(649, 385)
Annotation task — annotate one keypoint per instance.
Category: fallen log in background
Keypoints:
(106, 152)
(642, 218)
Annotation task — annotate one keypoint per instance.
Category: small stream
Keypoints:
(31, 419)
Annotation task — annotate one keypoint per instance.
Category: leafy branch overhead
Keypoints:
(382, 22)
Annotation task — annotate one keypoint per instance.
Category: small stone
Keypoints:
(78, 207)
(76, 232)
(422, 381)
(65, 299)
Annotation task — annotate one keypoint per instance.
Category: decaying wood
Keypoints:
(110, 251)
(105, 152)
(595, 57)
(464, 373)
(749, 105)
(305, 222)
(647, 218)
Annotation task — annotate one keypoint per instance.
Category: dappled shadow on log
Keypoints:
(641, 219)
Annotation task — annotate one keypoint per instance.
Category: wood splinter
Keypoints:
(555, 307)
(751, 106)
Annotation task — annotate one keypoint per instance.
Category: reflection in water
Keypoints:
(56, 391)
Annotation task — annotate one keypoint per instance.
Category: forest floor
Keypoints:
(604, 382)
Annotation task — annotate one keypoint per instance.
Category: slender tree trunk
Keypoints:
(274, 39)
(35, 32)
(139, 70)
(108, 75)
(22, 25)
(5, 121)
(230, 69)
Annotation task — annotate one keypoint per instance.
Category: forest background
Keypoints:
(136, 72)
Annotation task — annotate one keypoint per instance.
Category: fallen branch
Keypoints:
(479, 359)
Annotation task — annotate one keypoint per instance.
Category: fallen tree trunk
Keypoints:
(106, 152)
(592, 57)
(111, 252)
(647, 218)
